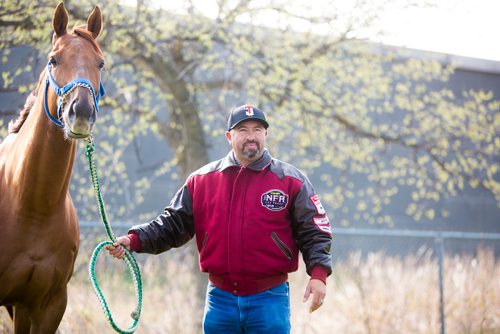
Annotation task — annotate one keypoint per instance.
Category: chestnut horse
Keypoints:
(39, 232)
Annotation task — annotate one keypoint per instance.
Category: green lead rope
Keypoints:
(129, 258)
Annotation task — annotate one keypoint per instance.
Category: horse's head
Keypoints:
(74, 72)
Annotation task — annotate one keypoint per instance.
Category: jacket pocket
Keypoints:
(281, 245)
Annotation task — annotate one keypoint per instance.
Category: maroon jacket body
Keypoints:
(250, 224)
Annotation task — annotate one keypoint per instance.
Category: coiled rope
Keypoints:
(129, 258)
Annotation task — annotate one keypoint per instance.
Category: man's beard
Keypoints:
(251, 153)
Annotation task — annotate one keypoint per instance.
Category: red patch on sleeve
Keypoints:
(317, 203)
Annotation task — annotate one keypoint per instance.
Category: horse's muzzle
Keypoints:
(80, 115)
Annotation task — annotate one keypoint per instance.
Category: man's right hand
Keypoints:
(116, 249)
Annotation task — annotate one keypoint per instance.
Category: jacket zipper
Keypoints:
(281, 245)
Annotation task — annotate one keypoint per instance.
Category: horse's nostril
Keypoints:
(93, 116)
(72, 111)
(81, 109)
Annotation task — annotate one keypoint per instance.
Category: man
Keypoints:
(251, 215)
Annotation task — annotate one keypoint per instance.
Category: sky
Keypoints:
(468, 28)
(471, 28)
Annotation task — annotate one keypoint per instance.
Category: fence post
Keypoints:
(440, 250)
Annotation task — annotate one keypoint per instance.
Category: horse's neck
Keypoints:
(44, 162)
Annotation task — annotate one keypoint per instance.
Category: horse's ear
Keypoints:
(94, 22)
(60, 20)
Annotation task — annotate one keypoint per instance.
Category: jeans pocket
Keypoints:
(282, 290)
(211, 288)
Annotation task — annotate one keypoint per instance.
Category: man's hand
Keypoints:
(317, 288)
(116, 249)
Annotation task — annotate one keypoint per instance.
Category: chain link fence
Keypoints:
(441, 245)
(439, 239)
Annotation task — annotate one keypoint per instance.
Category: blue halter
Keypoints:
(62, 92)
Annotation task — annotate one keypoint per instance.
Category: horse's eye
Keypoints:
(53, 61)
(101, 64)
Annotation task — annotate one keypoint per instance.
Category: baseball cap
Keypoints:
(246, 113)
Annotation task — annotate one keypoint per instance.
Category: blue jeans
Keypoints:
(260, 313)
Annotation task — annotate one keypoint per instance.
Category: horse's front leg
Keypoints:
(46, 320)
(21, 317)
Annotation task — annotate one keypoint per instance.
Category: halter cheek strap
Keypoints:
(62, 92)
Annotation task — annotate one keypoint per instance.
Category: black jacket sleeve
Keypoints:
(313, 241)
(173, 228)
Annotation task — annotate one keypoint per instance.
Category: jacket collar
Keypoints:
(230, 161)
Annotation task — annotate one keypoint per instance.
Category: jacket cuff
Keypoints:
(320, 273)
(135, 242)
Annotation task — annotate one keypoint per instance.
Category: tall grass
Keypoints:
(366, 294)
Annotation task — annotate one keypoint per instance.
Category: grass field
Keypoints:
(366, 294)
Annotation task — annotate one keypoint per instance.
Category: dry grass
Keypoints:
(373, 294)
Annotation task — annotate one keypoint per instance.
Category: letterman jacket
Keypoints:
(250, 223)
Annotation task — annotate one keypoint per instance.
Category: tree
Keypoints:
(361, 103)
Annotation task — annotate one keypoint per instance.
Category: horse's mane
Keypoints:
(15, 125)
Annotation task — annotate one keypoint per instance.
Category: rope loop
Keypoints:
(129, 258)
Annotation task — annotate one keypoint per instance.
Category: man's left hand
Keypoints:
(317, 288)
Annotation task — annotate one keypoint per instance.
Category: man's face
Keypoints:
(248, 141)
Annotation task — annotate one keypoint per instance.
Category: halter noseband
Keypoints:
(62, 92)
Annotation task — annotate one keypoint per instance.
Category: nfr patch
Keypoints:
(274, 200)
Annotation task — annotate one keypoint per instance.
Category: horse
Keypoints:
(39, 231)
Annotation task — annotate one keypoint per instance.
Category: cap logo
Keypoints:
(249, 111)
(274, 200)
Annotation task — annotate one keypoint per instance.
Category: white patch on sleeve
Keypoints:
(323, 224)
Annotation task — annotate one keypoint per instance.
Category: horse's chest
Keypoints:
(37, 254)
(35, 273)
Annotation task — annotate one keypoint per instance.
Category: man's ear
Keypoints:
(228, 136)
